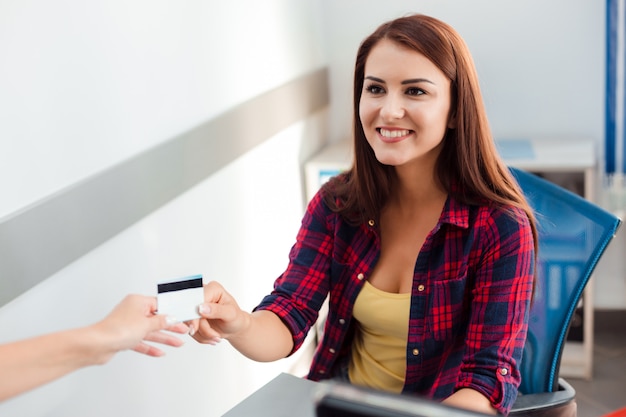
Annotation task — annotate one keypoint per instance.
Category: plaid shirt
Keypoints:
(472, 286)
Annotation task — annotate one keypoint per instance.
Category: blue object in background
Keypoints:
(511, 149)
(615, 117)
(573, 234)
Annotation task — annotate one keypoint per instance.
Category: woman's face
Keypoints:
(405, 105)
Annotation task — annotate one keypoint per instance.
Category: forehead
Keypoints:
(389, 59)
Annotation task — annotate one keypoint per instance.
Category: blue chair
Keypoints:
(573, 235)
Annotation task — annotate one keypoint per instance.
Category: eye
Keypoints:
(374, 89)
(415, 91)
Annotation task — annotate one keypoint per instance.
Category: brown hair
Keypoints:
(468, 158)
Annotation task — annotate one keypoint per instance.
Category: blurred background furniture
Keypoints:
(573, 235)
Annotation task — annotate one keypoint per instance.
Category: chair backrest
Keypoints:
(573, 235)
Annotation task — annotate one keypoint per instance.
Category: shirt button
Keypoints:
(420, 287)
(342, 321)
(360, 277)
(371, 222)
(331, 350)
(503, 371)
(322, 371)
(416, 352)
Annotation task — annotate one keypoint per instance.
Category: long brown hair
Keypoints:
(468, 157)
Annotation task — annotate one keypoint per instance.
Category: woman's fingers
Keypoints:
(180, 328)
(218, 315)
(192, 326)
(149, 350)
(164, 339)
(206, 334)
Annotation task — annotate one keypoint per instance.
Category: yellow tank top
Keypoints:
(379, 349)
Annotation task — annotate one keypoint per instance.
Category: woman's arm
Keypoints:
(279, 324)
(261, 336)
(29, 363)
(471, 400)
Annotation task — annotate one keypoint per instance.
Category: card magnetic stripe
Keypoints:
(179, 285)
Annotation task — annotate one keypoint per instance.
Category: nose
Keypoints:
(392, 107)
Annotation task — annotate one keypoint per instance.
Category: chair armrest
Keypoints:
(560, 403)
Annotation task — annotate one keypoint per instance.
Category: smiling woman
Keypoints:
(405, 106)
(428, 225)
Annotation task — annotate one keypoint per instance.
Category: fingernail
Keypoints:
(204, 309)
(170, 320)
(192, 330)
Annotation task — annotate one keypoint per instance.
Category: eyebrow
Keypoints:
(410, 81)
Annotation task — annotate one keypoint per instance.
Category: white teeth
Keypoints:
(393, 133)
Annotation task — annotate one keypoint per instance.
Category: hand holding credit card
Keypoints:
(179, 298)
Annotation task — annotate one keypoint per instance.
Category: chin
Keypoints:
(390, 161)
(386, 157)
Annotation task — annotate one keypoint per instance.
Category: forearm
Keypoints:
(33, 362)
(472, 400)
(265, 337)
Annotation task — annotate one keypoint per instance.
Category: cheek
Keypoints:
(437, 117)
(366, 112)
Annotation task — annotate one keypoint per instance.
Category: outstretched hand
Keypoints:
(29, 363)
(133, 322)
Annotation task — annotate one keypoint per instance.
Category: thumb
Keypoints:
(216, 311)
(206, 310)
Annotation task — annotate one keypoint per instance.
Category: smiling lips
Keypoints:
(393, 135)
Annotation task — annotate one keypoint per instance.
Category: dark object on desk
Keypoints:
(291, 396)
(345, 400)
(573, 235)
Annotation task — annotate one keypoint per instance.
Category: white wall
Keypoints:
(541, 64)
(228, 228)
(86, 85)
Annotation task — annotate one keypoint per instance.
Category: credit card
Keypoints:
(179, 298)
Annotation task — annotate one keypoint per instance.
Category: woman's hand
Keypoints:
(133, 322)
(29, 363)
(261, 336)
(221, 316)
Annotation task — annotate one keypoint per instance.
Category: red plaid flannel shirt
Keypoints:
(470, 300)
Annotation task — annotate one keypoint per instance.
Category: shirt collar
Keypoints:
(455, 212)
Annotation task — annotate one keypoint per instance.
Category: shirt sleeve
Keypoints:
(300, 291)
(501, 299)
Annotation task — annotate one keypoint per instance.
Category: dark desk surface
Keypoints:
(288, 396)
(281, 397)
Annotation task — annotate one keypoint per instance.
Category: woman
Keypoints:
(425, 246)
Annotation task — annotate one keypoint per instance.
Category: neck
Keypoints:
(416, 185)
